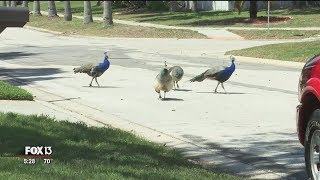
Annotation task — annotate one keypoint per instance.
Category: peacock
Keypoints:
(220, 74)
(163, 82)
(94, 70)
(176, 74)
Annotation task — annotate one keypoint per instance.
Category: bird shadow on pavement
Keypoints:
(185, 90)
(212, 92)
(101, 86)
(171, 99)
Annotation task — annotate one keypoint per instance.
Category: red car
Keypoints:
(308, 115)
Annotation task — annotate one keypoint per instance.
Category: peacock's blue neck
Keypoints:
(231, 68)
(105, 65)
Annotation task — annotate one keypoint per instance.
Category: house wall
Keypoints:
(213, 5)
(229, 5)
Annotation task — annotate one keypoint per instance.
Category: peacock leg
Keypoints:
(164, 95)
(174, 85)
(223, 88)
(97, 81)
(160, 95)
(215, 91)
(177, 85)
(91, 82)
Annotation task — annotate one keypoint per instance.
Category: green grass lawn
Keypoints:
(76, 27)
(82, 152)
(298, 51)
(300, 18)
(9, 92)
(275, 34)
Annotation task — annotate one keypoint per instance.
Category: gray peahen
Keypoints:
(220, 74)
(94, 70)
(163, 82)
(176, 74)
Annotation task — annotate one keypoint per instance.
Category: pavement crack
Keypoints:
(65, 99)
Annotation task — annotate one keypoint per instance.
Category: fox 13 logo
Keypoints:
(38, 150)
(31, 153)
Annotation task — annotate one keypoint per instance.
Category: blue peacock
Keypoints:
(220, 74)
(94, 70)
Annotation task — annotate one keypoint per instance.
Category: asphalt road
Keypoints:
(254, 124)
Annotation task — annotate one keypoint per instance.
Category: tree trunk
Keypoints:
(193, 6)
(25, 4)
(67, 11)
(87, 14)
(13, 3)
(253, 9)
(9, 4)
(36, 8)
(173, 6)
(52, 11)
(98, 3)
(107, 13)
(4, 3)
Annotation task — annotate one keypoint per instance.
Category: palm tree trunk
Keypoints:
(67, 11)
(4, 3)
(173, 6)
(193, 6)
(107, 13)
(253, 9)
(36, 8)
(13, 3)
(52, 11)
(87, 14)
(25, 4)
(9, 4)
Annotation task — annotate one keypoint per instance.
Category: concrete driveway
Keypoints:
(250, 131)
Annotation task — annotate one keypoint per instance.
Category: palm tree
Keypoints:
(67, 11)
(173, 6)
(107, 13)
(25, 4)
(52, 11)
(193, 5)
(9, 4)
(36, 8)
(13, 3)
(87, 14)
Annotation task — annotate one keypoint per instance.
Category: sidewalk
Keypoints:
(210, 33)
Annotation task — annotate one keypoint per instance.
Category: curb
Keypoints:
(269, 61)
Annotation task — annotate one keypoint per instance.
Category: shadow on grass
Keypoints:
(303, 11)
(79, 150)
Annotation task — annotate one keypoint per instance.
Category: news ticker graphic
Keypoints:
(32, 153)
